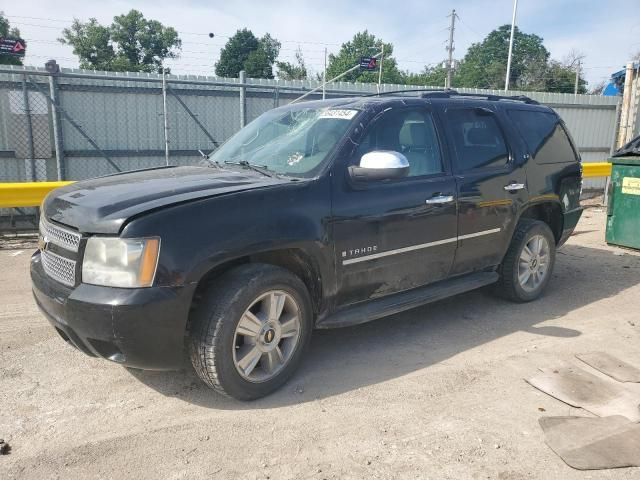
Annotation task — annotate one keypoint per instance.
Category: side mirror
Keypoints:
(380, 165)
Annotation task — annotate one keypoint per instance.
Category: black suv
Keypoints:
(316, 215)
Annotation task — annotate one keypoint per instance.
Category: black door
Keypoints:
(395, 235)
(491, 186)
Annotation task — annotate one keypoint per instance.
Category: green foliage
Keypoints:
(91, 43)
(7, 31)
(485, 64)
(258, 64)
(429, 77)
(245, 52)
(143, 43)
(364, 44)
(235, 53)
(293, 71)
(271, 47)
(131, 43)
(562, 79)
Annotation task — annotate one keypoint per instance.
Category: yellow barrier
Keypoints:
(27, 194)
(31, 194)
(596, 169)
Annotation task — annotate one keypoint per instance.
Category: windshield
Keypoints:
(292, 142)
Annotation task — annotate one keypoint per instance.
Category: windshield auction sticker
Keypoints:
(339, 113)
(631, 185)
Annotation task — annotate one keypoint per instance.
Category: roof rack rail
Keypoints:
(492, 97)
(440, 91)
(448, 93)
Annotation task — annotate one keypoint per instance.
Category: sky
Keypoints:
(418, 29)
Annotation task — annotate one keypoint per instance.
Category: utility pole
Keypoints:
(450, 48)
(575, 90)
(513, 28)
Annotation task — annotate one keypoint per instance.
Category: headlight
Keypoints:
(120, 262)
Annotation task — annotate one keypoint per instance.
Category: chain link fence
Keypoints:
(78, 124)
(26, 133)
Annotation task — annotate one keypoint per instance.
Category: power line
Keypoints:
(312, 61)
(179, 31)
(469, 27)
(426, 63)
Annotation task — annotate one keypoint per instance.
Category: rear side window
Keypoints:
(545, 137)
(478, 139)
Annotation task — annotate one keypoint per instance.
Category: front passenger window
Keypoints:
(410, 132)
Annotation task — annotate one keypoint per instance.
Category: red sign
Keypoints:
(368, 63)
(15, 47)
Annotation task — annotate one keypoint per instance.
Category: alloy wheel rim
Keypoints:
(266, 336)
(533, 264)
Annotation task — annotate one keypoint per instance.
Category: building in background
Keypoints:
(616, 83)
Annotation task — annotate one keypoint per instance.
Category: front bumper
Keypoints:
(140, 328)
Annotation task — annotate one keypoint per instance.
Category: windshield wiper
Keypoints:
(256, 168)
(207, 158)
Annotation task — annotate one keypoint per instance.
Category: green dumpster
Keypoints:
(623, 216)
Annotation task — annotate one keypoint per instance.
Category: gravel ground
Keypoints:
(436, 392)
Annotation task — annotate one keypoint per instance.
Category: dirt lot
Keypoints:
(436, 392)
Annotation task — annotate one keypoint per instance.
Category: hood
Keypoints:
(103, 205)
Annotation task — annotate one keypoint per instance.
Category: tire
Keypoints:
(513, 269)
(223, 351)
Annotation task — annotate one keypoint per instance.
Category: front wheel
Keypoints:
(528, 264)
(250, 331)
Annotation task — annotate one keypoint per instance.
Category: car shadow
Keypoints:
(350, 358)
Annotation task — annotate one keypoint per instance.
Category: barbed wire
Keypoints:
(306, 57)
(312, 62)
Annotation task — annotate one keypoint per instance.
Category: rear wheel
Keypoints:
(249, 334)
(528, 264)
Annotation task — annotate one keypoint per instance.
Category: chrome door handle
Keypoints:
(512, 187)
(439, 199)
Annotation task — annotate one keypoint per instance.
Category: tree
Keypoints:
(91, 43)
(293, 71)
(430, 77)
(561, 78)
(485, 64)
(7, 31)
(245, 52)
(258, 64)
(364, 44)
(598, 88)
(131, 43)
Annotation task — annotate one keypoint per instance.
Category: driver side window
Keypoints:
(410, 132)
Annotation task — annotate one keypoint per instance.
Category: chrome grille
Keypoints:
(60, 236)
(59, 268)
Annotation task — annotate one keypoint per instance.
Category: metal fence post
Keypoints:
(27, 112)
(173, 92)
(243, 99)
(57, 127)
(276, 97)
(165, 117)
